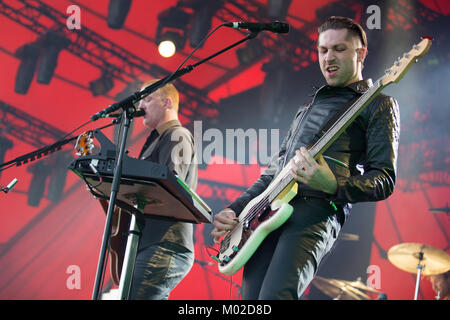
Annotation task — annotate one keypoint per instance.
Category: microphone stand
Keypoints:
(127, 105)
(42, 152)
(128, 112)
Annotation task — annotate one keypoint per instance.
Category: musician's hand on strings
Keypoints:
(316, 174)
(223, 222)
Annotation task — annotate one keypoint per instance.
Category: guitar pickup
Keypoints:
(263, 213)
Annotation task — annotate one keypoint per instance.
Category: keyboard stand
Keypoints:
(129, 261)
(146, 188)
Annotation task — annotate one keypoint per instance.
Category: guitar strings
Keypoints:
(264, 202)
(252, 213)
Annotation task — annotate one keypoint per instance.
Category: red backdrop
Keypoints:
(38, 244)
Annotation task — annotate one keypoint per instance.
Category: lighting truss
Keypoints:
(27, 128)
(101, 52)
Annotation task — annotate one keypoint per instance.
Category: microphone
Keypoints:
(276, 27)
(9, 186)
(137, 113)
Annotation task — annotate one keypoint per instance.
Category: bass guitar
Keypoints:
(271, 209)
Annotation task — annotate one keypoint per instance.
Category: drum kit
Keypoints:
(420, 259)
(344, 290)
(416, 258)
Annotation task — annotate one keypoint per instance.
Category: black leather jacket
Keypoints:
(371, 142)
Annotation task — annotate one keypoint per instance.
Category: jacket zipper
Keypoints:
(298, 126)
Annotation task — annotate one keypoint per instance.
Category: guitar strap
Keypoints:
(332, 121)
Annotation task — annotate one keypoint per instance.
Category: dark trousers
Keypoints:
(158, 270)
(288, 259)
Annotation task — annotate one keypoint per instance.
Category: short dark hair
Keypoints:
(344, 23)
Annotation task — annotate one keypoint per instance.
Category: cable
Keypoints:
(231, 287)
(189, 56)
(84, 124)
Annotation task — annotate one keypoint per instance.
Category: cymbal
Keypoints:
(360, 285)
(406, 256)
(338, 289)
(348, 236)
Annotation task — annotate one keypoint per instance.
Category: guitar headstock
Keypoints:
(401, 66)
(84, 144)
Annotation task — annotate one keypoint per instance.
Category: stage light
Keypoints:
(101, 85)
(168, 44)
(171, 31)
(28, 55)
(117, 13)
(58, 175)
(201, 21)
(129, 89)
(167, 48)
(273, 90)
(5, 145)
(40, 171)
(252, 52)
(278, 9)
(335, 9)
(52, 44)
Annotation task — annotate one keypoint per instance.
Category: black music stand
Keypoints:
(159, 193)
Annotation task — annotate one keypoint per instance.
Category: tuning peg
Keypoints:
(406, 55)
(427, 37)
(390, 71)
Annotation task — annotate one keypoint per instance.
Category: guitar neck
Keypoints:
(345, 120)
(284, 179)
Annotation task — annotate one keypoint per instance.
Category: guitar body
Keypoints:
(118, 239)
(256, 221)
